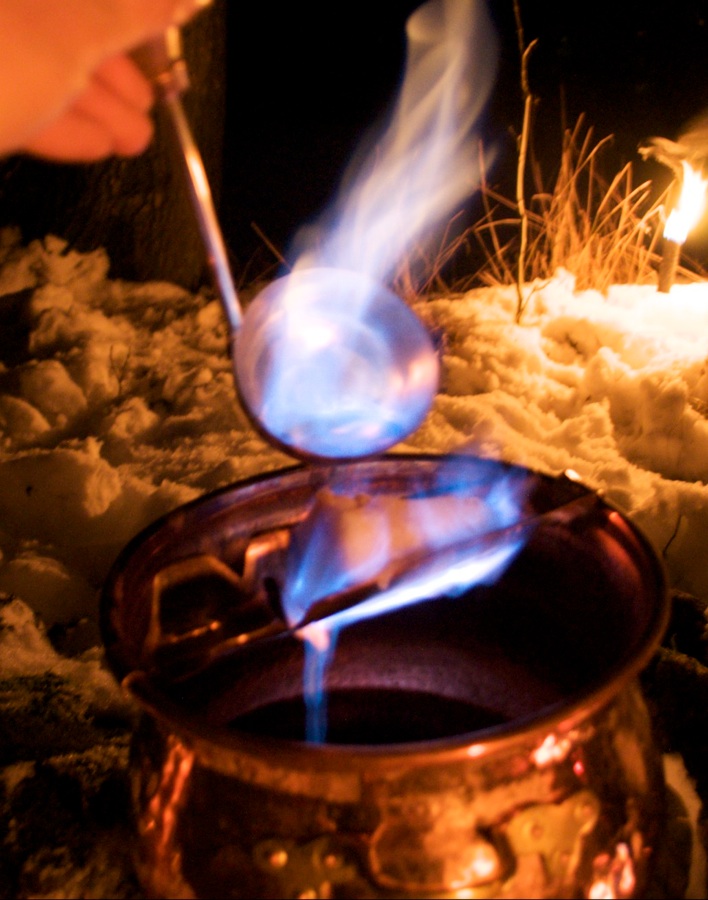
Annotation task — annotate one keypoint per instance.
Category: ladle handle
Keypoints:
(162, 61)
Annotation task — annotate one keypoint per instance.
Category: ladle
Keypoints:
(328, 363)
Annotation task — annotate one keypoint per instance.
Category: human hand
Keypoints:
(76, 95)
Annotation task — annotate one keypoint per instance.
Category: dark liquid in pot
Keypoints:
(372, 716)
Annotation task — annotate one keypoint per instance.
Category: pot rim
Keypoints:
(556, 719)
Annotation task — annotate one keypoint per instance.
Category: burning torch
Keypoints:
(685, 160)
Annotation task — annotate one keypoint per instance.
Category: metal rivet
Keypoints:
(332, 861)
(534, 830)
(585, 810)
(278, 858)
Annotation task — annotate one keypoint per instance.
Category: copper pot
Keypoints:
(492, 745)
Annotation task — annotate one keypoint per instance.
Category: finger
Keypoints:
(72, 138)
(50, 48)
(96, 125)
(129, 124)
(121, 76)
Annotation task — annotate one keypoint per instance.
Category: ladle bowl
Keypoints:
(330, 364)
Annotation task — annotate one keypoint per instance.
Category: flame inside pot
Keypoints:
(579, 602)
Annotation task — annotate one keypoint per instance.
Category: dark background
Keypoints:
(283, 94)
(304, 85)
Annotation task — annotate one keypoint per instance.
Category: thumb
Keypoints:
(50, 48)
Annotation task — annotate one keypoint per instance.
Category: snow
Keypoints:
(614, 388)
(117, 404)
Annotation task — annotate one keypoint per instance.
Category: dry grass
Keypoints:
(603, 231)
(423, 270)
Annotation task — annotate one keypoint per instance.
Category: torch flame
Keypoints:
(689, 208)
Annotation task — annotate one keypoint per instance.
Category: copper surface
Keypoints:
(564, 798)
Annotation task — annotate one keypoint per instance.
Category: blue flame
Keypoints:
(451, 580)
(350, 538)
(424, 164)
(311, 369)
(394, 194)
(335, 363)
(318, 656)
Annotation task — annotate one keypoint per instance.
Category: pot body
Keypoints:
(525, 764)
(553, 813)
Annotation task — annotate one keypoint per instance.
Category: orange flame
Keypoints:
(689, 208)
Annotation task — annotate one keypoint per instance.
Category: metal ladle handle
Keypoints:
(178, 659)
(162, 61)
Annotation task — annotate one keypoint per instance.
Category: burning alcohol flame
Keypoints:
(423, 165)
(420, 169)
(418, 172)
(349, 538)
(347, 541)
(336, 363)
(444, 577)
(689, 207)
